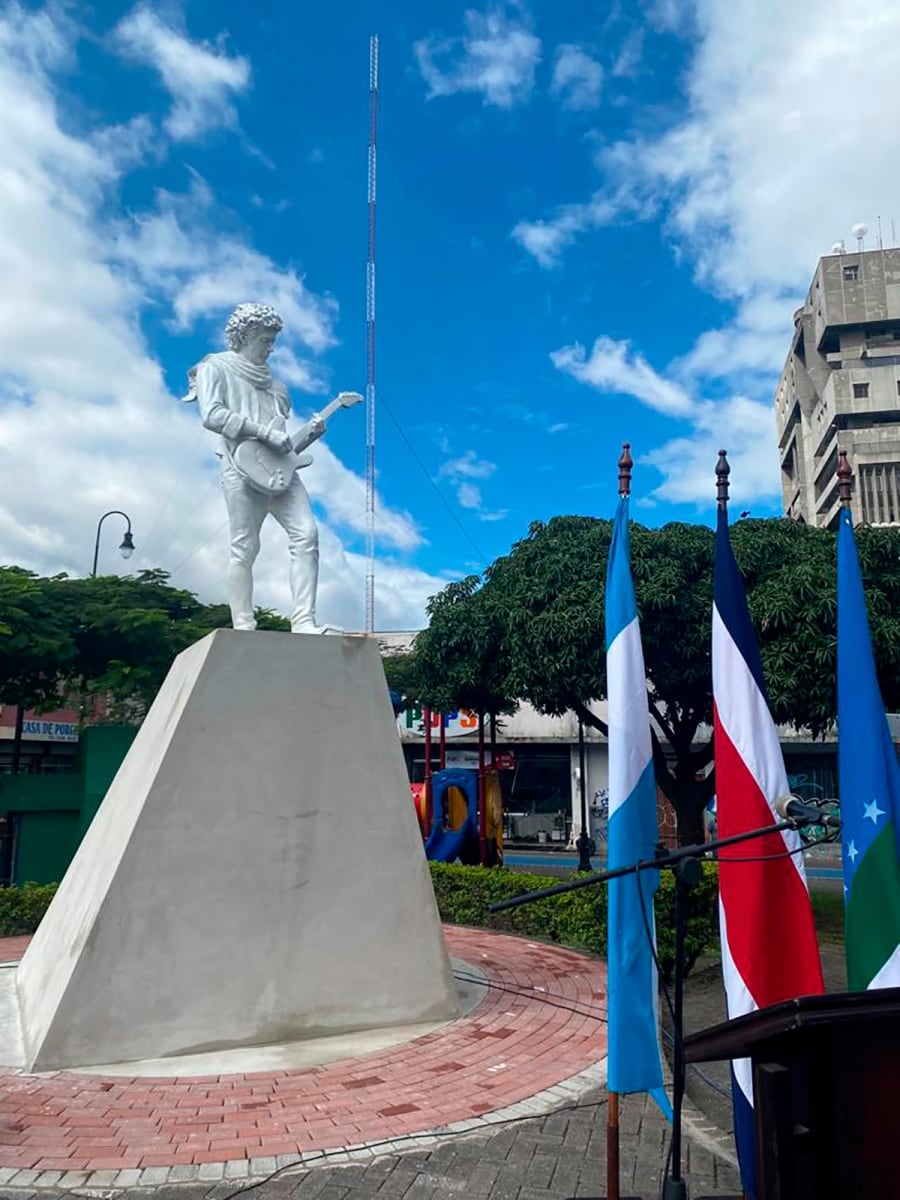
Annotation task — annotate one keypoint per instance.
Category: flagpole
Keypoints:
(626, 463)
(612, 1110)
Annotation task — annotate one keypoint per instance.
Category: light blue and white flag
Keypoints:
(635, 1062)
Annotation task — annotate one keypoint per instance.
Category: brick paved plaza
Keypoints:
(506, 1103)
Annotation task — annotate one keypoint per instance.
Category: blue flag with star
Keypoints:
(869, 787)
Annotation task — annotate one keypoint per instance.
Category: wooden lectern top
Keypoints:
(738, 1038)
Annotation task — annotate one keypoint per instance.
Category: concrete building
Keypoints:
(840, 389)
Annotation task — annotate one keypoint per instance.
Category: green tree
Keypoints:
(543, 637)
(36, 647)
(114, 636)
(460, 660)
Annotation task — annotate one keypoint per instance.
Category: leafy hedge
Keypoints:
(576, 919)
(21, 908)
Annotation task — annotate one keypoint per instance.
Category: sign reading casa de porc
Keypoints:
(49, 728)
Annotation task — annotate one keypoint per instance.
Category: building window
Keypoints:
(880, 493)
(860, 391)
(851, 273)
(898, 387)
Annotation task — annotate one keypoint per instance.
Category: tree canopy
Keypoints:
(111, 635)
(533, 628)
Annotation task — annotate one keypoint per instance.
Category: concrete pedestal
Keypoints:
(254, 875)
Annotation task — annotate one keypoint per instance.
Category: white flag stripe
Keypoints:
(740, 1002)
(630, 750)
(889, 975)
(747, 722)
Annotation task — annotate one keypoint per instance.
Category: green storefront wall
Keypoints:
(50, 814)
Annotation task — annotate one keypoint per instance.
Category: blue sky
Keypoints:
(594, 224)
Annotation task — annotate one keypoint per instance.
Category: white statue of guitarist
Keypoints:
(240, 400)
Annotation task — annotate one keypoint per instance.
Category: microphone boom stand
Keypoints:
(685, 865)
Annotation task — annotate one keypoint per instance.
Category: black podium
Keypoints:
(826, 1082)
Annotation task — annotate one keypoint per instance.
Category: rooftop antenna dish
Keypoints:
(838, 248)
(859, 232)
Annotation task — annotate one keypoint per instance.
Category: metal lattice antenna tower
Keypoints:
(370, 341)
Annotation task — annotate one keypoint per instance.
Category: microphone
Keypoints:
(791, 808)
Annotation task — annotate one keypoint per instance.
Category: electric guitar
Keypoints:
(269, 471)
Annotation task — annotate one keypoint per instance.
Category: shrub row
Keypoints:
(21, 908)
(577, 919)
(464, 894)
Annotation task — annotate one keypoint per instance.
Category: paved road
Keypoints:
(562, 861)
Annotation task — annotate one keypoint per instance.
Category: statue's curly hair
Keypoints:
(247, 317)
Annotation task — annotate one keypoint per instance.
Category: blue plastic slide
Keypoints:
(448, 845)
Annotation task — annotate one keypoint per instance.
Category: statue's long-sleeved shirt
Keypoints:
(232, 392)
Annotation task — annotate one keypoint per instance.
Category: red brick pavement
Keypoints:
(510, 1047)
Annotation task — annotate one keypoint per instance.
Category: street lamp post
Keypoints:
(127, 547)
(583, 843)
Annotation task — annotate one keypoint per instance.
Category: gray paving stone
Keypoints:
(183, 1173)
(128, 1177)
(264, 1165)
(74, 1179)
(154, 1175)
(102, 1179)
(555, 1157)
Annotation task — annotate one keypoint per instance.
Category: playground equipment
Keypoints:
(454, 825)
(460, 808)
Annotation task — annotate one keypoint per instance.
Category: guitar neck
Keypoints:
(330, 408)
(344, 400)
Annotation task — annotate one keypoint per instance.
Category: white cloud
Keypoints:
(467, 466)
(755, 181)
(130, 143)
(612, 367)
(670, 16)
(559, 427)
(461, 471)
(469, 495)
(743, 426)
(577, 78)
(737, 173)
(88, 423)
(546, 240)
(202, 79)
(629, 57)
(342, 494)
(741, 168)
(749, 349)
(496, 57)
(180, 255)
(301, 373)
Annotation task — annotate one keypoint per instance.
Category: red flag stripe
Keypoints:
(771, 932)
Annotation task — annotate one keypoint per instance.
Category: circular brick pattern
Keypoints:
(541, 1022)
